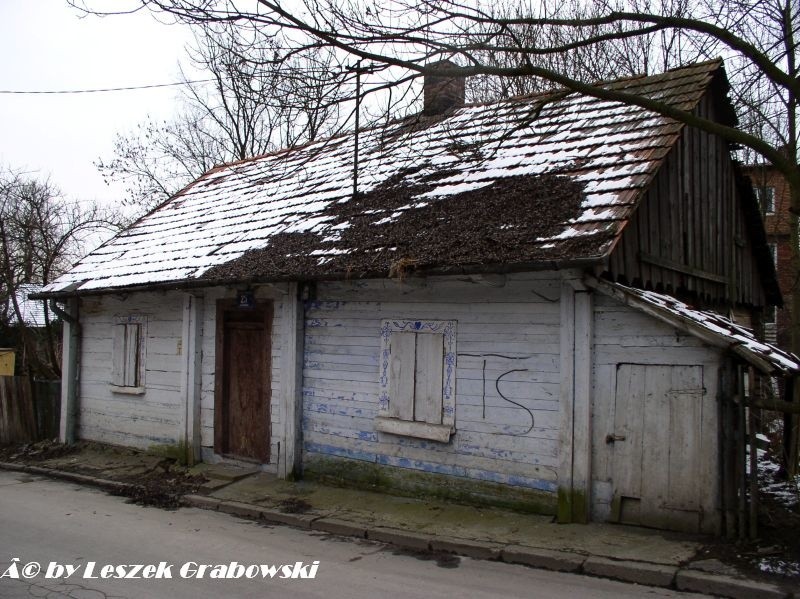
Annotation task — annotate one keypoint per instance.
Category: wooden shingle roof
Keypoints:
(547, 179)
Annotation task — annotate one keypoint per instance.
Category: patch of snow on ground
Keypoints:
(776, 565)
(786, 492)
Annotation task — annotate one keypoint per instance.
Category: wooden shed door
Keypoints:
(656, 441)
(242, 390)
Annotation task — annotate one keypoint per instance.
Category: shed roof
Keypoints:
(544, 179)
(711, 327)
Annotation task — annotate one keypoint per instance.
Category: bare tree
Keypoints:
(41, 234)
(757, 38)
(257, 99)
(610, 57)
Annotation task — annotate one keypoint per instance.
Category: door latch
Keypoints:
(613, 438)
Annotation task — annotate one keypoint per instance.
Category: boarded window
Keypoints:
(417, 379)
(127, 354)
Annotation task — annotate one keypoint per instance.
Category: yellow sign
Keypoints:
(7, 358)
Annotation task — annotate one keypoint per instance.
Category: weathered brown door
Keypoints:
(242, 389)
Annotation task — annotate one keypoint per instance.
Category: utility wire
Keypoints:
(106, 89)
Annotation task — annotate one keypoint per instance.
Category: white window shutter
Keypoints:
(428, 378)
(401, 385)
(118, 356)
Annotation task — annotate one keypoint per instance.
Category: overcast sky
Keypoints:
(48, 45)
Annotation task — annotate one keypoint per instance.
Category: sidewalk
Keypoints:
(624, 553)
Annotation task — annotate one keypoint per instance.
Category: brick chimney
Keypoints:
(442, 93)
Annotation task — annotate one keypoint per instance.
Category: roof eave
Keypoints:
(688, 326)
(196, 283)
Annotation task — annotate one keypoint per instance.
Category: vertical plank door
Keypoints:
(242, 390)
(656, 445)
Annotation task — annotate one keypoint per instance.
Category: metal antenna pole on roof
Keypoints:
(355, 145)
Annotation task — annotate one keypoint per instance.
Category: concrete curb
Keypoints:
(727, 586)
(406, 540)
(546, 559)
(202, 502)
(342, 528)
(645, 573)
(297, 520)
(656, 575)
(84, 479)
(474, 549)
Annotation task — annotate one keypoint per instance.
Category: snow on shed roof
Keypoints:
(548, 178)
(709, 326)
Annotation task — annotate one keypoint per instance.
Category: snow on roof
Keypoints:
(735, 337)
(531, 180)
(32, 311)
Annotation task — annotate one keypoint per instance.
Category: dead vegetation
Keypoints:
(163, 489)
(149, 480)
(294, 505)
(36, 452)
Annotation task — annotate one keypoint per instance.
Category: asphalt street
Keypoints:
(58, 525)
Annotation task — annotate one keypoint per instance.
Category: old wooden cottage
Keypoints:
(486, 307)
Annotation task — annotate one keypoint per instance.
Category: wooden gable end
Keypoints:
(692, 235)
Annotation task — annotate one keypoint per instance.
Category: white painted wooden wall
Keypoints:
(157, 416)
(508, 330)
(154, 417)
(623, 335)
(513, 327)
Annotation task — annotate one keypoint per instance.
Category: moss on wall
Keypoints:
(412, 483)
(181, 452)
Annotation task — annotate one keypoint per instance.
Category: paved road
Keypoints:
(52, 521)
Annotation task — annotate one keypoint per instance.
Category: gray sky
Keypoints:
(48, 45)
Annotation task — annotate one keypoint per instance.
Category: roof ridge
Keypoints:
(419, 117)
(600, 82)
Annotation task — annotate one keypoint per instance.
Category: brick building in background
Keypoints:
(772, 192)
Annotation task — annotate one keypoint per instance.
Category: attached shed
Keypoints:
(462, 319)
(669, 429)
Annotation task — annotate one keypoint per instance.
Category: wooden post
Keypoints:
(191, 381)
(575, 447)
(740, 457)
(791, 432)
(582, 416)
(727, 450)
(70, 357)
(751, 429)
(292, 333)
(566, 407)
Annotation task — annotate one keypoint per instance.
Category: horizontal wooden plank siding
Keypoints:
(156, 416)
(153, 417)
(507, 376)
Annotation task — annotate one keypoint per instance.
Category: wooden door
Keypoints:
(243, 381)
(656, 446)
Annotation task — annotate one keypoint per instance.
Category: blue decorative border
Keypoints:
(445, 327)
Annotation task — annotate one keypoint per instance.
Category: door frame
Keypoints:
(225, 306)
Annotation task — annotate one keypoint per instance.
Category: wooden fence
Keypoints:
(29, 410)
